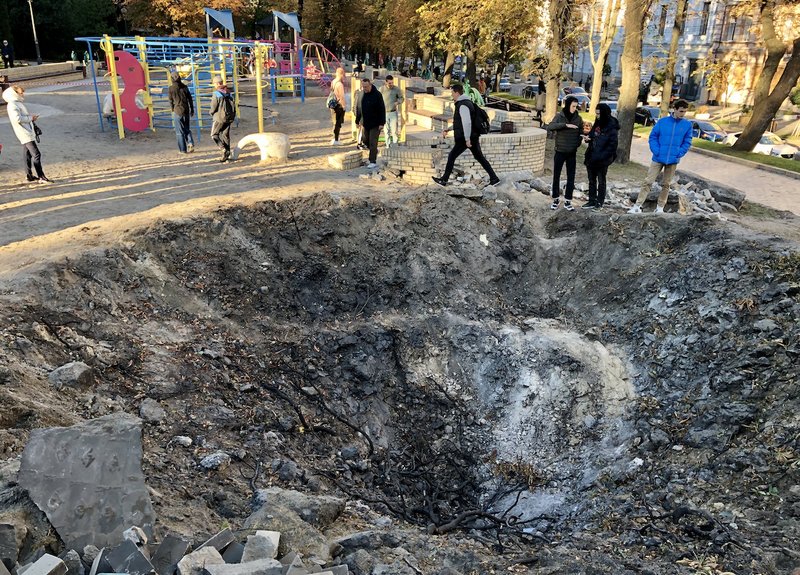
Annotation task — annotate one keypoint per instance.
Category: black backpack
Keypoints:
(229, 110)
(482, 123)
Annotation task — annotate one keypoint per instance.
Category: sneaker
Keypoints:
(31, 179)
(439, 181)
(494, 181)
(568, 206)
(372, 166)
(44, 180)
(659, 210)
(335, 142)
(589, 206)
(189, 148)
(225, 156)
(598, 207)
(635, 209)
(554, 205)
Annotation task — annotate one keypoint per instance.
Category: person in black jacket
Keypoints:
(465, 134)
(180, 100)
(372, 115)
(568, 128)
(602, 152)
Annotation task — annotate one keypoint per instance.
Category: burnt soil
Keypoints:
(518, 390)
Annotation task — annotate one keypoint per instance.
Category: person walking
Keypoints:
(669, 141)
(223, 113)
(466, 136)
(8, 54)
(372, 115)
(601, 153)
(568, 128)
(180, 100)
(337, 113)
(24, 128)
(393, 103)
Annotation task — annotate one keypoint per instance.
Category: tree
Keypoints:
(669, 76)
(773, 85)
(635, 20)
(606, 21)
(560, 16)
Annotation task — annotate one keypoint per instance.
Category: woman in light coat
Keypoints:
(22, 123)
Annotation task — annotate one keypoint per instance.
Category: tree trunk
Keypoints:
(426, 56)
(471, 53)
(669, 76)
(635, 21)
(767, 103)
(560, 12)
(449, 62)
(607, 38)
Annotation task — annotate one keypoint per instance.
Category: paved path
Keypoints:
(773, 190)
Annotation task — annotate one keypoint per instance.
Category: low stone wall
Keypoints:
(422, 158)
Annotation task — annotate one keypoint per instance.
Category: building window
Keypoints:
(704, 18)
(730, 29)
(662, 23)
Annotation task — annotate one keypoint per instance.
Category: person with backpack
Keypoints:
(180, 100)
(466, 132)
(223, 113)
(568, 129)
(601, 153)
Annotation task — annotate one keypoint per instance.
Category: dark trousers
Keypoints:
(338, 120)
(32, 156)
(559, 160)
(371, 136)
(221, 134)
(183, 131)
(8, 62)
(459, 148)
(597, 184)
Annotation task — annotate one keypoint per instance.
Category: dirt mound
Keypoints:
(578, 391)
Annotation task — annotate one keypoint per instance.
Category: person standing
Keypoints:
(393, 103)
(669, 141)
(372, 114)
(466, 136)
(568, 128)
(223, 113)
(8, 55)
(337, 87)
(180, 100)
(23, 124)
(601, 153)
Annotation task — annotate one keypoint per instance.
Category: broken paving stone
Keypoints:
(47, 565)
(168, 553)
(136, 535)
(194, 563)
(218, 460)
(8, 545)
(100, 564)
(74, 374)
(233, 553)
(150, 410)
(73, 562)
(258, 567)
(263, 545)
(220, 540)
(88, 479)
(128, 558)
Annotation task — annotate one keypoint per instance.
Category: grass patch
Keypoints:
(786, 164)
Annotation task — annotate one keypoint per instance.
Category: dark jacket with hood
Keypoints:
(568, 140)
(372, 110)
(603, 139)
(180, 98)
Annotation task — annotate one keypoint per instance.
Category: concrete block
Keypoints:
(100, 564)
(262, 545)
(8, 545)
(47, 565)
(73, 562)
(233, 553)
(128, 558)
(74, 374)
(270, 145)
(3, 569)
(259, 567)
(220, 540)
(196, 562)
(339, 570)
(169, 552)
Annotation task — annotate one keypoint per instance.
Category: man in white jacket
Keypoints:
(22, 122)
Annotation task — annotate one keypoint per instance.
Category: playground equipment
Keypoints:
(139, 70)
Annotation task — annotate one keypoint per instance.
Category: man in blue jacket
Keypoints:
(670, 139)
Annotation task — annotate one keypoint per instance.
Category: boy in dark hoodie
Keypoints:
(602, 151)
(222, 118)
(568, 129)
(182, 104)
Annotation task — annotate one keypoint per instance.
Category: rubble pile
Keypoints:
(411, 383)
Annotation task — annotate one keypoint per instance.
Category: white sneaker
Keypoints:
(659, 210)
(635, 209)
(335, 143)
(371, 166)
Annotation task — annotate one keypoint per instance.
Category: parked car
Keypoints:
(647, 115)
(577, 93)
(770, 145)
(611, 104)
(504, 84)
(708, 131)
(530, 92)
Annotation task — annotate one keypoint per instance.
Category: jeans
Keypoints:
(459, 148)
(32, 155)
(371, 136)
(559, 160)
(183, 131)
(338, 120)
(597, 184)
(666, 179)
(221, 134)
(392, 128)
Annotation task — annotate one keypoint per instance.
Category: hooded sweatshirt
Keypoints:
(568, 140)
(603, 139)
(18, 115)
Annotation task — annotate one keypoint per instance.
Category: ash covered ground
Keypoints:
(492, 387)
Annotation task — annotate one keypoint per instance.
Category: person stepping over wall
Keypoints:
(568, 129)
